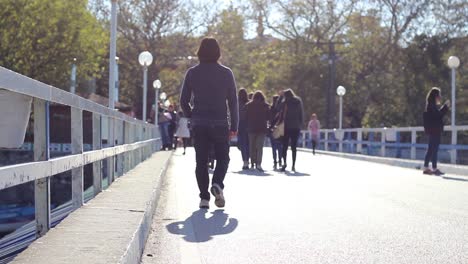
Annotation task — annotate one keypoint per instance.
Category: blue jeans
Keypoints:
(432, 151)
(164, 129)
(243, 144)
(277, 148)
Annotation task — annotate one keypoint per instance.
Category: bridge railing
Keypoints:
(398, 142)
(129, 142)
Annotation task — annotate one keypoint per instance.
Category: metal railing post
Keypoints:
(127, 140)
(110, 143)
(325, 140)
(77, 148)
(383, 140)
(41, 153)
(97, 144)
(413, 143)
(453, 152)
(359, 143)
(120, 140)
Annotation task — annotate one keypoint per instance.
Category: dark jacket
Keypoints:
(258, 115)
(434, 119)
(206, 89)
(293, 113)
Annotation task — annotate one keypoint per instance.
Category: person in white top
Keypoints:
(183, 131)
(314, 128)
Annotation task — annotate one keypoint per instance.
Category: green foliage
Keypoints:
(40, 38)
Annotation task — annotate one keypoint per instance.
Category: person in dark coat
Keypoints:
(242, 135)
(258, 115)
(293, 116)
(208, 98)
(434, 126)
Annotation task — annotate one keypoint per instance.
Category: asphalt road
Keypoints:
(333, 211)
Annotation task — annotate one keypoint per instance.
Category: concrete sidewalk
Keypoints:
(111, 228)
(332, 210)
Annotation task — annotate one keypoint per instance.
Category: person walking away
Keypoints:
(292, 112)
(276, 144)
(207, 91)
(314, 128)
(172, 127)
(163, 123)
(183, 131)
(433, 127)
(258, 115)
(242, 134)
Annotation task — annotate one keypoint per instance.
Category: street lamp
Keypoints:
(145, 59)
(341, 91)
(453, 62)
(157, 87)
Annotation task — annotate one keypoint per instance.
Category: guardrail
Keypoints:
(379, 141)
(130, 141)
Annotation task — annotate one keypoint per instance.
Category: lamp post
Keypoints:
(73, 77)
(341, 91)
(116, 79)
(157, 87)
(453, 62)
(145, 59)
(112, 53)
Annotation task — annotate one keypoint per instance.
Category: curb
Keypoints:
(411, 164)
(136, 246)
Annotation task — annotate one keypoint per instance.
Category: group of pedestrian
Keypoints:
(281, 122)
(173, 127)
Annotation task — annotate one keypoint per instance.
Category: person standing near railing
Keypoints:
(211, 87)
(314, 129)
(433, 127)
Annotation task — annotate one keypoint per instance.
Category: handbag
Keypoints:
(278, 130)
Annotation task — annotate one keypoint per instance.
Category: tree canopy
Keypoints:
(389, 53)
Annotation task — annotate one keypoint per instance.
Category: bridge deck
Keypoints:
(334, 210)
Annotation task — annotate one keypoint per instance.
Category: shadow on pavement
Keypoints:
(454, 179)
(253, 173)
(296, 174)
(202, 225)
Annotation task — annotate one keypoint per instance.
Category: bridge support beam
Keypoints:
(97, 144)
(41, 153)
(77, 148)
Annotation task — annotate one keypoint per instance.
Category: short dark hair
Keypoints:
(209, 50)
(289, 93)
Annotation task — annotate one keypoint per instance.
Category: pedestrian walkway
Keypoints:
(333, 210)
(111, 228)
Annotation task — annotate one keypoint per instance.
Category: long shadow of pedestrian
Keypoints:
(201, 227)
(253, 173)
(296, 174)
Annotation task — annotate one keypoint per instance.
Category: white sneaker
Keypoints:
(204, 204)
(218, 194)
